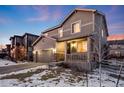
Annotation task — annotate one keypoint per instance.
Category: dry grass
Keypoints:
(71, 76)
(22, 76)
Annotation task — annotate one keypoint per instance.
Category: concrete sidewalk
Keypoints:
(13, 68)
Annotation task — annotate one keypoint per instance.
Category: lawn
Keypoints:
(58, 77)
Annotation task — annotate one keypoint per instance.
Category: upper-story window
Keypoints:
(76, 27)
(60, 32)
(46, 34)
(102, 33)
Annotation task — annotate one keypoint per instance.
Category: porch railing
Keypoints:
(77, 57)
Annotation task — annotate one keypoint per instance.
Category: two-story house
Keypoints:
(21, 46)
(76, 39)
(16, 44)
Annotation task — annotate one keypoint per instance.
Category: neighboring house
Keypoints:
(16, 43)
(76, 39)
(8, 49)
(116, 47)
(21, 46)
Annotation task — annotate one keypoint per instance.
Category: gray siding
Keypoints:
(45, 43)
(86, 19)
(90, 22)
(44, 50)
(99, 26)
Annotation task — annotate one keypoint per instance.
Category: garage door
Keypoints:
(47, 56)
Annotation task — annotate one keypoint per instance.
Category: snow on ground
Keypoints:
(60, 77)
(4, 62)
(25, 71)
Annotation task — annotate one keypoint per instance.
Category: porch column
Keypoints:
(88, 49)
(65, 51)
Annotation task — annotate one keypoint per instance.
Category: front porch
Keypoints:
(76, 57)
(73, 50)
(76, 54)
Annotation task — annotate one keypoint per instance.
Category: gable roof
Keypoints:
(40, 37)
(68, 16)
(23, 36)
(15, 36)
(30, 35)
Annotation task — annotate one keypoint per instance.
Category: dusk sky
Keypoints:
(16, 20)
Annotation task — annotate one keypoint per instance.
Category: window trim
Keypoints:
(59, 32)
(46, 34)
(102, 33)
(79, 21)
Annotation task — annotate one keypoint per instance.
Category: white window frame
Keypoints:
(60, 29)
(79, 21)
(102, 34)
(46, 34)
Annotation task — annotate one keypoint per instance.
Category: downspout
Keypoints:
(65, 51)
(27, 48)
(89, 39)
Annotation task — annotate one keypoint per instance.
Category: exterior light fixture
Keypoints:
(54, 50)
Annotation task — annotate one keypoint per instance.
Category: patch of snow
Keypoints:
(45, 67)
(23, 71)
(9, 83)
(4, 62)
(64, 78)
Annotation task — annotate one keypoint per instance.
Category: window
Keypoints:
(46, 34)
(84, 46)
(102, 33)
(76, 27)
(77, 46)
(29, 43)
(61, 32)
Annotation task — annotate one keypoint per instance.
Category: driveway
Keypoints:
(13, 68)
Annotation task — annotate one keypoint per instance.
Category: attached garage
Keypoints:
(44, 50)
(45, 56)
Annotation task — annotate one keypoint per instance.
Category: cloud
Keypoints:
(3, 20)
(116, 27)
(116, 37)
(114, 20)
(44, 13)
(40, 18)
(81, 6)
(56, 14)
(113, 13)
